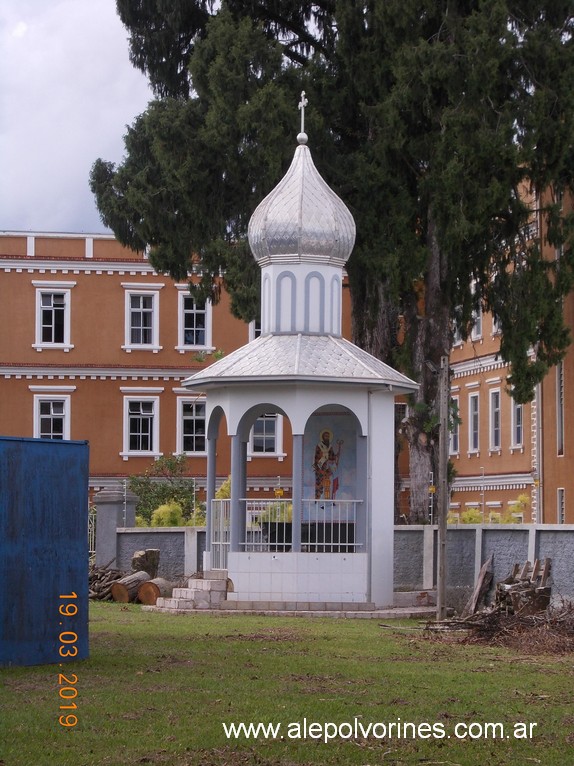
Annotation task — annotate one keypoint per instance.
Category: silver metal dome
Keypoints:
(302, 220)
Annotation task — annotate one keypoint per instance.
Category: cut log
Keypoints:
(126, 589)
(481, 588)
(146, 561)
(150, 591)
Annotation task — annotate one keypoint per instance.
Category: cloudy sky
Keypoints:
(67, 92)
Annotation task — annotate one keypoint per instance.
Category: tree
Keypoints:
(445, 126)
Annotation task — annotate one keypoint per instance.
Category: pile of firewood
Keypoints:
(525, 590)
(548, 632)
(141, 584)
(521, 616)
(100, 582)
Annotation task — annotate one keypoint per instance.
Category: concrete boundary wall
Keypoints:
(468, 546)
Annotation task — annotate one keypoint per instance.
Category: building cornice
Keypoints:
(94, 372)
(46, 265)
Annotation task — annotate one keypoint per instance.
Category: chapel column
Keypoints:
(297, 492)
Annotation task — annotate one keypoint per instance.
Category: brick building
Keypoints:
(95, 346)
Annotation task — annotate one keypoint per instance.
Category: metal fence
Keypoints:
(92, 516)
(220, 520)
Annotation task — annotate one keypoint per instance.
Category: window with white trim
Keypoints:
(476, 332)
(266, 438)
(495, 437)
(53, 313)
(141, 426)
(454, 441)
(254, 329)
(191, 437)
(517, 424)
(561, 505)
(560, 408)
(51, 417)
(473, 423)
(141, 317)
(194, 322)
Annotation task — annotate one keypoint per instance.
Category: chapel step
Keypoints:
(296, 606)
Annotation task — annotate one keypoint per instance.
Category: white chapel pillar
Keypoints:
(297, 492)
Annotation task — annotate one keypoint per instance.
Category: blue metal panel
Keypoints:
(43, 551)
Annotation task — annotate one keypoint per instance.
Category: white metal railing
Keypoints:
(330, 526)
(92, 531)
(327, 526)
(220, 526)
(268, 525)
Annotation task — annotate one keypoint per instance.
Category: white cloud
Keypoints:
(67, 92)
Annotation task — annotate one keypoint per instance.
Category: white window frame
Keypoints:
(476, 332)
(517, 423)
(52, 397)
(182, 346)
(495, 413)
(181, 401)
(126, 451)
(279, 454)
(560, 409)
(560, 505)
(51, 287)
(254, 329)
(131, 289)
(454, 438)
(472, 449)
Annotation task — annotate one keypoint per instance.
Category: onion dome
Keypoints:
(302, 220)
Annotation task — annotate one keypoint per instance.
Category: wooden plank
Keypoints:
(524, 572)
(547, 568)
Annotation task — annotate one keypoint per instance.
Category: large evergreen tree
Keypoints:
(438, 122)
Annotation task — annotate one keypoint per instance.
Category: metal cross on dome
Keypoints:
(302, 105)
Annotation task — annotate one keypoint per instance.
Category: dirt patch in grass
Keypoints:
(224, 756)
(273, 634)
(338, 684)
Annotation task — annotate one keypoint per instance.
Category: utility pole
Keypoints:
(443, 494)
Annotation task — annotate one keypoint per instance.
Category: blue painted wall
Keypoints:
(43, 551)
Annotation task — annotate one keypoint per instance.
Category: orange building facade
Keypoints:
(512, 462)
(95, 346)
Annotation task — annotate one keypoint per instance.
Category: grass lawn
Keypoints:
(157, 689)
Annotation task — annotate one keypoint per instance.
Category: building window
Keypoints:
(194, 322)
(476, 332)
(266, 437)
(52, 417)
(141, 320)
(265, 434)
(191, 427)
(53, 309)
(141, 317)
(141, 426)
(561, 505)
(560, 408)
(254, 329)
(454, 447)
(473, 423)
(495, 435)
(517, 424)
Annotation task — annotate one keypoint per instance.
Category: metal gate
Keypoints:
(220, 521)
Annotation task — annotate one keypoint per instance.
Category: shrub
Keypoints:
(224, 491)
(167, 515)
(471, 516)
(163, 483)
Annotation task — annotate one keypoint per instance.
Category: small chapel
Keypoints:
(331, 542)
